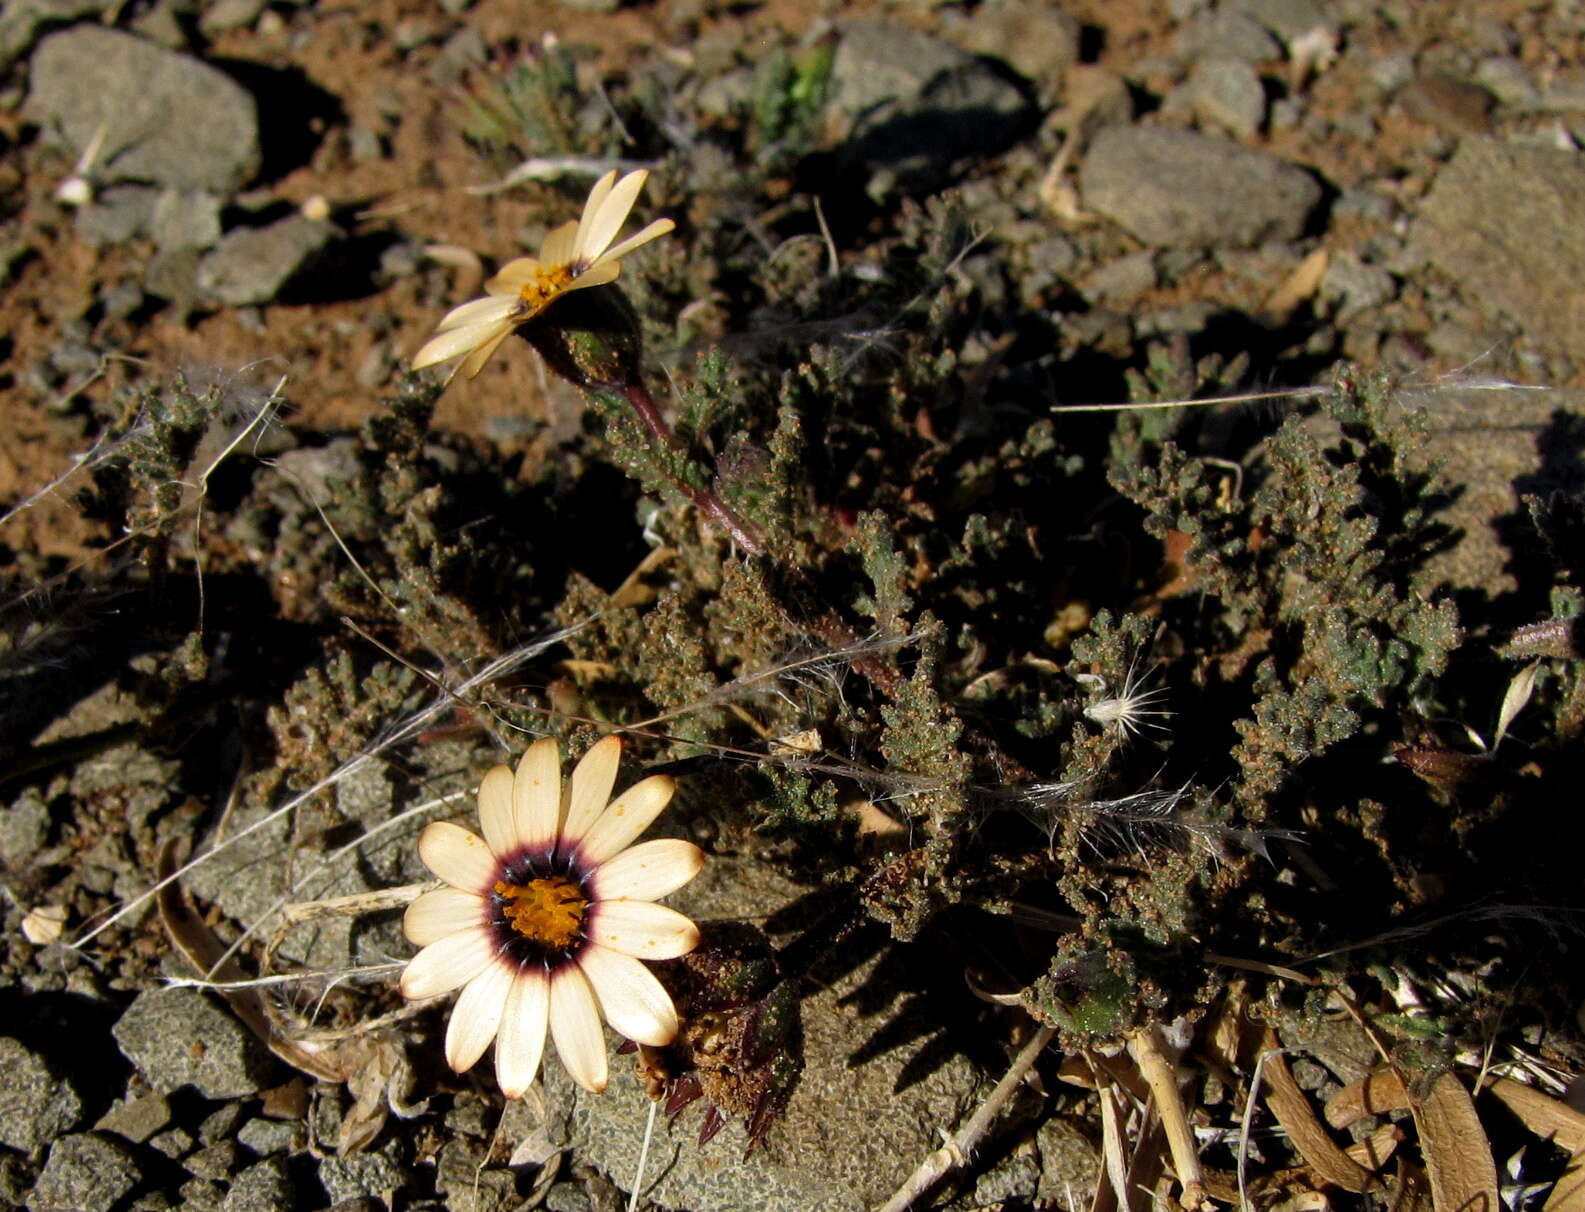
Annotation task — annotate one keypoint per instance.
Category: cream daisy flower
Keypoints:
(546, 917)
(572, 257)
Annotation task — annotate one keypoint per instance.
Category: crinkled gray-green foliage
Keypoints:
(1323, 557)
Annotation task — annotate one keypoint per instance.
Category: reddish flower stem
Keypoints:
(742, 532)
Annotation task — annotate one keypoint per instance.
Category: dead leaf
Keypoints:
(1409, 1191)
(1568, 1195)
(1374, 1151)
(634, 591)
(1293, 1111)
(1373, 1094)
(805, 742)
(373, 1066)
(44, 925)
(1514, 699)
(1298, 286)
(1546, 1117)
(1457, 1153)
(370, 1065)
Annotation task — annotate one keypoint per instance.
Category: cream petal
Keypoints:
(601, 229)
(648, 871)
(478, 311)
(536, 793)
(457, 856)
(642, 929)
(476, 360)
(511, 276)
(495, 811)
(590, 787)
(458, 341)
(591, 208)
(559, 245)
(520, 1044)
(477, 1016)
(439, 912)
(654, 231)
(596, 275)
(575, 1026)
(632, 1000)
(627, 816)
(444, 965)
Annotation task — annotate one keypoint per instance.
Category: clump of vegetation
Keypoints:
(1097, 701)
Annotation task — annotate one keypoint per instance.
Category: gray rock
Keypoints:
(22, 21)
(1509, 80)
(219, 16)
(730, 93)
(1490, 443)
(1391, 71)
(914, 111)
(1228, 93)
(248, 878)
(214, 1162)
(1191, 317)
(84, 1173)
(1038, 41)
(1050, 260)
(24, 828)
(173, 277)
(1123, 279)
(1288, 19)
(136, 1119)
(568, 1197)
(365, 144)
(1069, 1162)
(165, 117)
(1502, 220)
(141, 780)
(464, 51)
(467, 1184)
(173, 1142)
(1284, 114)
(1013, 1180)
(185, 218)
(164, 22)
(1353, 286)
(116, 215)
(181, 1037)
(263, 1187)
(221, 1124)
(850, 1135)
(1366, 204)
(1225, 34)
(16, 1176)
(1181, 188)
(35, 1105)
(201, 1195)
(360, 1174)
(254, 264)
(266, 1136)
(120, 300)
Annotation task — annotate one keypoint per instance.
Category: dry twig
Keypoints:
(961, 1145)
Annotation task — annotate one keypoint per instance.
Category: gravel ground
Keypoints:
(257, 212)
